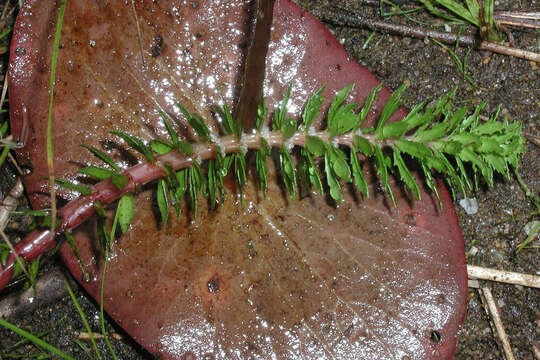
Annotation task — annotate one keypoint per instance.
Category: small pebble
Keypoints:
(500, 244)
(470, 205)
(529, 226)
(473, 251)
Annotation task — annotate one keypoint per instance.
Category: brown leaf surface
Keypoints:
(272, 279)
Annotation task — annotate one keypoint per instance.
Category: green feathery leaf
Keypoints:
(161, 147)
(197, 123)
(312, 109)
(172, 133)
(389, 109)
(332, 181)
(262, 113)
(358, 174)
(163, 200)
(136, 144)
(368, 104)
(314, 176)
(82, 189)
(96, 172)
(125, 211)
(341, 118)
(381, 162)
(288, 171)
(196, 184)
(212, 183)
(260, 164)
(315, 145)
(285, 124)
(230, 125)
(405, 174)
(363, 145)
(103, 157)
(338, 161)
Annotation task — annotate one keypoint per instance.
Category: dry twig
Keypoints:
(532, 138)
(493, 311)
(85, 336)
(16, 165)
(477, 272)
(10, 202)
(356, 20)
(473, 283)
(536, 352)
(4, 88)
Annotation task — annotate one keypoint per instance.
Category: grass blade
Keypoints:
(37, 341)
(83, 318)
(52, 80)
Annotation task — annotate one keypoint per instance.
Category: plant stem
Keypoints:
(489, 147)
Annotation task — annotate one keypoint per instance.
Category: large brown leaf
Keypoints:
(272, 278)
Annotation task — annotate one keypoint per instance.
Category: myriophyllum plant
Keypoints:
(435, 140)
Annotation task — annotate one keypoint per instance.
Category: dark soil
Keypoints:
(491, 235)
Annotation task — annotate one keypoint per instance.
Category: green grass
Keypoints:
(83, 318)
(469, 11)
(35, 340)
(461, 64)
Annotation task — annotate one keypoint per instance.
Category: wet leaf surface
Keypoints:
(294, 280)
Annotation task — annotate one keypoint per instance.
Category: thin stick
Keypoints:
(473, 283)
(6, 16)
(536, 352)
(139, 35)
(497, 322)
(511, 51)
(10, 203)
(6, 6)
(15, 164)
(528, 19)
(532, 138)
(4, 88)
(356, 20)
(86, 336)
(508, 277)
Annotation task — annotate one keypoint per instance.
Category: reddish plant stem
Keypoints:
(81, 209)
